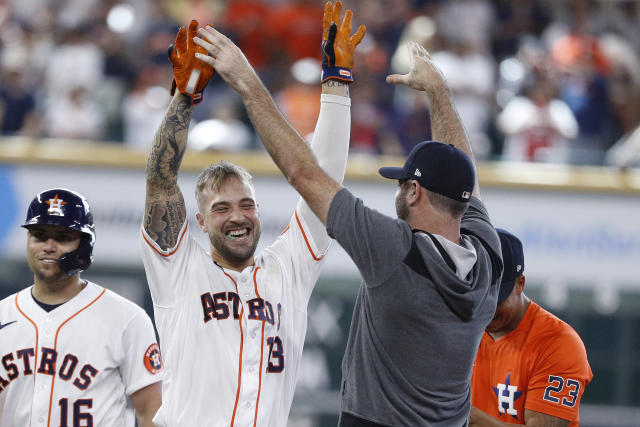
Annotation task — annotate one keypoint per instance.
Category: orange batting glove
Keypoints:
(190, 76)
(337, 44)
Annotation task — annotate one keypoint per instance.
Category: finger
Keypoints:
(422, 50)
(326, 20)
(396, 79)
(333, 29)
(412, 55)
(209, 60)
(211, 35)
(422, 53)
(180, 46)
(337, 10)
(359, 35)
(208, 47)
(191, 33)
(346, 23)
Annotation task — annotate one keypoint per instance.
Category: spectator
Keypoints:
(74, 115)
(538, 125)
(17, 105)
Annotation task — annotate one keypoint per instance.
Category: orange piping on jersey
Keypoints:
(255, 286)
(255, 418)
(55, 347)
(305, 238)
(173, 251)
(235, 406)
(285, 229)
(35, 356)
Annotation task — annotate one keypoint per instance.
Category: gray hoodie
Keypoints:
(419, 316)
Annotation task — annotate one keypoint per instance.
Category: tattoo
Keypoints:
(165, 211)
(336, 83)
(169, 144)
(163, 221)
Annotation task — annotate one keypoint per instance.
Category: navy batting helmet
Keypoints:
(69, 209)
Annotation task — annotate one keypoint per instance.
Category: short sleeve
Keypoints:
(166, 269)
(141, 363)
(560, 376)
(376, 243)
(299, 258)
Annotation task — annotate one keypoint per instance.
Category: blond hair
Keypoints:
(217, 174)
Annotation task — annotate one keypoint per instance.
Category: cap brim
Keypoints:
(393, 173)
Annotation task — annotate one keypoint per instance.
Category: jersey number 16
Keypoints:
(80, 419)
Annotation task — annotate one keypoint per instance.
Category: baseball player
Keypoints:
(531, 367)
(73, 353)
(232, 323)
(430, 277)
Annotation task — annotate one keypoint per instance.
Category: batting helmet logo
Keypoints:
(55, 206)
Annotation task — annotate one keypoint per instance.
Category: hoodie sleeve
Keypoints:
(476, 223)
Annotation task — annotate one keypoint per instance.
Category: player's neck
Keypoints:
(59, 291)
(445, 227)
(231, 265)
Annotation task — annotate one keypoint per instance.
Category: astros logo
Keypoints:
(55, 206)
(153, 359)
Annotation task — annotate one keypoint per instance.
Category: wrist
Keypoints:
(335, 87)
(337, 73)
(436, 90)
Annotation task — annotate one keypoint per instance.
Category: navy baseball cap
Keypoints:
(441, 168)
(513, 259)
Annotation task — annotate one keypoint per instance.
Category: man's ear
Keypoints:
(201, 223)
(520, 283)
(414, 194)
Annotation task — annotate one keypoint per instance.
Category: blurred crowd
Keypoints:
(533, 80)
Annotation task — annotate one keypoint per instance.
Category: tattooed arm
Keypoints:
(165, 210)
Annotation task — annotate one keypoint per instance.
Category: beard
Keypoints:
(52, 278)
(402, 207)
(234, 255)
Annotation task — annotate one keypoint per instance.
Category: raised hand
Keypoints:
(226, 58)
(338, 45)
(190, 76)
(423, 74)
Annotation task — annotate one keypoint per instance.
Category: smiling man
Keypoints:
(72, 351)
(232, 323)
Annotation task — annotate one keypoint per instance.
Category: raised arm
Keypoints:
(446, 125)
(287, 148)
(165, 210)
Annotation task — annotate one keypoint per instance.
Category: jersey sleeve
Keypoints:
(141, 363)
(299, 258)
(376, 243)
(166, 269)
(561, 373)
(330, 144)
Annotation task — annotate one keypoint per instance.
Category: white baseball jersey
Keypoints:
(75, 365)
(232, 341)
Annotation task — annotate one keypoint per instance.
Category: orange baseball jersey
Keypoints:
(541, 366)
